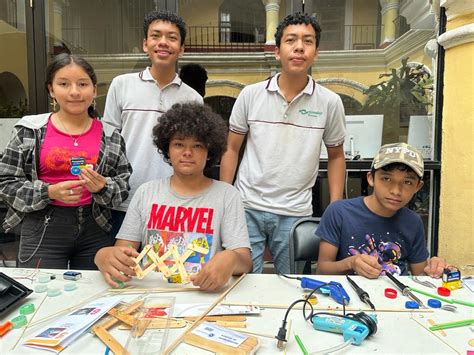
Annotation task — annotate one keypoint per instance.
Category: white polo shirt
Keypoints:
(281, 159)
(134, 104)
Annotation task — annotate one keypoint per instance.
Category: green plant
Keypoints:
(11, 110)
(407, 91)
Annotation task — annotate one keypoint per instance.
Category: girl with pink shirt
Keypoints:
(62, 172)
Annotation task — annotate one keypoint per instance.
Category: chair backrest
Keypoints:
(304, 245)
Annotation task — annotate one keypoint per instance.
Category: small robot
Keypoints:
(451, 278)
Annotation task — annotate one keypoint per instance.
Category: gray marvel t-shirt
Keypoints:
(213, 220)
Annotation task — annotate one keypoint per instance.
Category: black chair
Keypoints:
(304, 245)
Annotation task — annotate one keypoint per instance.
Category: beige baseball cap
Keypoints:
(399, 153)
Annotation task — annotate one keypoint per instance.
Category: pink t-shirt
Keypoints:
(60, 158)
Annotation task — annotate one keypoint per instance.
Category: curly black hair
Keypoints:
(192, 120)
(297, 19)
(195, 76)
(165, 16)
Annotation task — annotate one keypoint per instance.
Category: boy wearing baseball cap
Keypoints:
(376, 234)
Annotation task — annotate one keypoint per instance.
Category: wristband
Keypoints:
(390, 293)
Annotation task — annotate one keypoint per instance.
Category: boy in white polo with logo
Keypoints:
(135, 101)
(285, 119)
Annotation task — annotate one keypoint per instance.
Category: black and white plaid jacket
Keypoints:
(23, 192)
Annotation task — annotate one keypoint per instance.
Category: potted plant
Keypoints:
(406, 92)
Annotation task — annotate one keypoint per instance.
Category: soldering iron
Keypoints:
(363, 295)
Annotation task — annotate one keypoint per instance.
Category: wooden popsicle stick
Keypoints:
(179, 339)
(441, 332)
(113, 320)
(109, 340)
(328, 308)
(153, 290)
(230, 318)
(139, 327)
(126, 318)
(231, 324)
(159, 263)
(159, 323)
(271, 336)
(144, 251)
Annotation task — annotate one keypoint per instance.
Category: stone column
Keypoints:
(389, 13)
(455, 239)
(272, 8)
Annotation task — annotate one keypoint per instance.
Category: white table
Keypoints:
(398, 332)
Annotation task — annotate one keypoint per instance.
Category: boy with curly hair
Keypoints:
(186, 208)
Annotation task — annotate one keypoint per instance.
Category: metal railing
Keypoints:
(226, 39)
(362, 36)
(207, 39)
(223, 39)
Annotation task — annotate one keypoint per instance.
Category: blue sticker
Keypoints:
(77, 164)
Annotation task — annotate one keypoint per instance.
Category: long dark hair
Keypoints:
(65, 59)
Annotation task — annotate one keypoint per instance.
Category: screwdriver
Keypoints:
(405, 290)
(363, 295)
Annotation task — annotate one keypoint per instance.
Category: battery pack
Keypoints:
(72, 275)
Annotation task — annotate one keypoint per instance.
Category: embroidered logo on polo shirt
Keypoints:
(310, 113)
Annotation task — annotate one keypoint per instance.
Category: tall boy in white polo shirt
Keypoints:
(285, 119)
(135, 101)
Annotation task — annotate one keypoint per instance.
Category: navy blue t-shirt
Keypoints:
(396, 241)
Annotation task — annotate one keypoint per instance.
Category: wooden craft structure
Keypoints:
(139, 326)
(172, 254)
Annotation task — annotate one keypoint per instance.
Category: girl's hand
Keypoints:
(69, 191)
(94, 182)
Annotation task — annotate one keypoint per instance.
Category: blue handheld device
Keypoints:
(349, 328)
(334, 289)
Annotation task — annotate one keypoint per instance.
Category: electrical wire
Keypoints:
(289, 277)
(311, 293)
(332, 349)
(360, 317)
